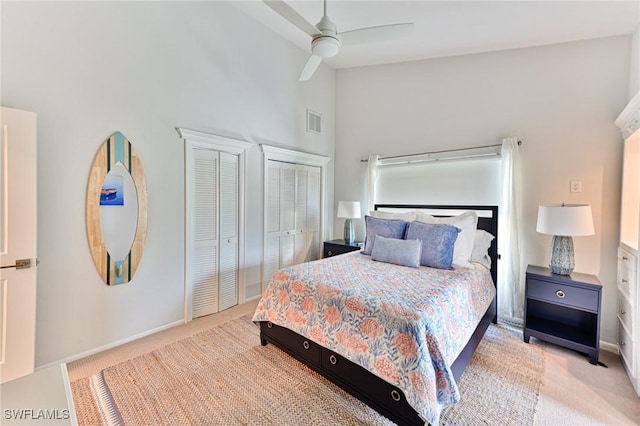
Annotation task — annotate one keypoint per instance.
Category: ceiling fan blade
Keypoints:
(310, 67)
(288, 13)
(375, 34)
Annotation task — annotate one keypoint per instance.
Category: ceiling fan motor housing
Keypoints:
(326, 44)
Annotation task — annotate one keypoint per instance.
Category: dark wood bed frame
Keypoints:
(361, 383)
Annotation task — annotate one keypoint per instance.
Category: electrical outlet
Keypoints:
(575, 186)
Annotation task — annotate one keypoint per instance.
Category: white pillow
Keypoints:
(468, 223)
(406, 216)
(481, 244)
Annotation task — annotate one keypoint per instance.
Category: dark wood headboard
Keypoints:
(487, 220)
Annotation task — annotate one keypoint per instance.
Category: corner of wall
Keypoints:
(634, 64)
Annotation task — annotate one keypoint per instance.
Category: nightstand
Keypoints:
(564, 310)
(336, 247)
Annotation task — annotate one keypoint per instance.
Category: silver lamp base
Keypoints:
(562, 260)
(349, 234)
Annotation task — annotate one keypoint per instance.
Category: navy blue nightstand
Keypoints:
(564, 310)
(335, 247)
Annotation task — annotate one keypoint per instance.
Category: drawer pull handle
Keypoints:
(560, 294)
(333, 360)
(330, 253)
(305, 344)
(269, 324)
(395, 395)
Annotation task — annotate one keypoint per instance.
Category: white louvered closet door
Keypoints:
(272, 222)
(301, 249)
(228, 208)
(214, 262)
(313, 214)
(292, 210)
(287, 215)
(204, 262)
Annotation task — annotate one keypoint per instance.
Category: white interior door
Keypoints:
(18, 242)
(204, 231)
(272, 223)
(228, 208)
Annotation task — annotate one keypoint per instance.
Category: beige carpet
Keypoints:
(224, 376)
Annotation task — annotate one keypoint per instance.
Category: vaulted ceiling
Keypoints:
(448, 28)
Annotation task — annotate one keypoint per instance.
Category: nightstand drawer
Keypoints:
(581, 298)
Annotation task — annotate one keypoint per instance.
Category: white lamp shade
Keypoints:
(570, 220)
(349, 209)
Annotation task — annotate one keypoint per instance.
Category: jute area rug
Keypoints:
(223, 376)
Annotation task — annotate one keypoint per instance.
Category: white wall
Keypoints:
(634, 65)
(560, 100)
(91, 68)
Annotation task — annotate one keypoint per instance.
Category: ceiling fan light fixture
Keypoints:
(325, 46)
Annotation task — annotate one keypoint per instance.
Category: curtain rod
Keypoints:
(365, 160)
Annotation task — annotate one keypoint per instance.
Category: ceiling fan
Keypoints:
(325, 39)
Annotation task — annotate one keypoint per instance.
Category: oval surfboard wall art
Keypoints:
(116, 211)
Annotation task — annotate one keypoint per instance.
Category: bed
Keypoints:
(396, 337)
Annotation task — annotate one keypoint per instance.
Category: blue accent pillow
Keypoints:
(438, 241)
(390, 228)
(400, 252)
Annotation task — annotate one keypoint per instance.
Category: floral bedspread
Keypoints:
(406, 325)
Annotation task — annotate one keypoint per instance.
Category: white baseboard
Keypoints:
(111, 345)
(250, 299)
(606, 346)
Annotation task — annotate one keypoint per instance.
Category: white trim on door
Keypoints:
(195, 139)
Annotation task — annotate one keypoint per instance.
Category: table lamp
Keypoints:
(349, 210)
(563, 222)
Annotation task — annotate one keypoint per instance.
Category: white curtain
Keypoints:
(372, 174)
(510, 268)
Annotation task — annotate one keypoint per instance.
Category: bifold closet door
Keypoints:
(272, 221)
(204, 259)
(214, 260)
(228, 208)
(307, 213)
(292, 215)
(312, 245)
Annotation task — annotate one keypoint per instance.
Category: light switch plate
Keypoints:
(575, 186)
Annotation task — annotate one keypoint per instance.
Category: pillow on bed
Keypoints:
(399, 252)
(390, 228)
(481, 244)
(406, 216)
(438, 242)
(468, 223)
